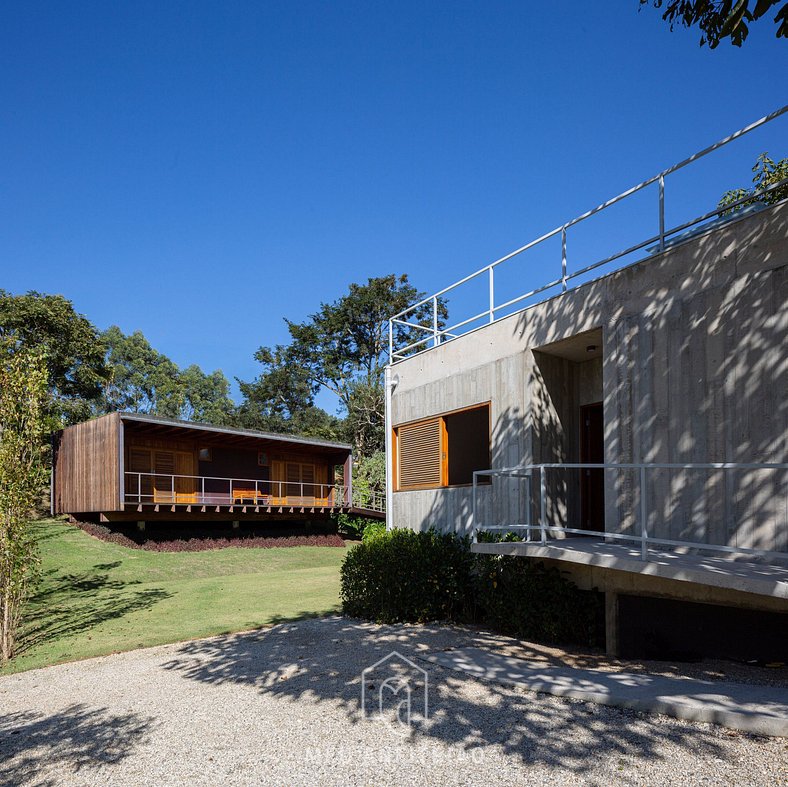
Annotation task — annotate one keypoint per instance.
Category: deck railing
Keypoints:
(176, 489)
(402, 327)
(652, 497)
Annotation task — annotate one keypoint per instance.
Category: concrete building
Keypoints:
(672, 372)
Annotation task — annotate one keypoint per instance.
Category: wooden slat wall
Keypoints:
(87, 467)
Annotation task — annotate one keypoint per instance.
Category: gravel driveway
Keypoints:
(282, 706)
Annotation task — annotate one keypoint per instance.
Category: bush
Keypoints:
(353, 526)
(401, 576)
(374, 530)
(529, 600)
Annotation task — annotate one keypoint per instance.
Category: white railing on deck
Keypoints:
(435, 335)
(177, 489)
(638, 507)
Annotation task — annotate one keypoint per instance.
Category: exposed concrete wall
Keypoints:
(694, 370)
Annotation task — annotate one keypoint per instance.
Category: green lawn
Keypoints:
(97, 598)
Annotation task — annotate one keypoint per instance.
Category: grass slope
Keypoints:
(97, 598)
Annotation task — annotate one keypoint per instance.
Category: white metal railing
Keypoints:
(177, 489)
(639, 508)
(402, 324)
(215, 490)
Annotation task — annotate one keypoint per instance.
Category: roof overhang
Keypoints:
(194, 429)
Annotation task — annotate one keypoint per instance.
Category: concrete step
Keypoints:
(762, 710)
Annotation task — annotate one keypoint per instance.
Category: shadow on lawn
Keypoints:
(68, 604)
(321, 662)
(76, 738)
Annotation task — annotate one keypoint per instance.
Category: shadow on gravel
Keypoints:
(321, 661)
(76, 739)
(68, 604)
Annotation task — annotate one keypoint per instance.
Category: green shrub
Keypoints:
(527, 599)
(353, 526)
(374, 530)
(400, 576)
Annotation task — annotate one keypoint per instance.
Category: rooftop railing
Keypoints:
(402, 326)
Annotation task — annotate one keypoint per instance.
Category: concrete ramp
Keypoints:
(762, 710)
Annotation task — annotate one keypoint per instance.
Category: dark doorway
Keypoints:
(592, 480)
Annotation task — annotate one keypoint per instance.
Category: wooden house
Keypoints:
(135, 467)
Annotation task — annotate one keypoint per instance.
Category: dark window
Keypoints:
(468, 438)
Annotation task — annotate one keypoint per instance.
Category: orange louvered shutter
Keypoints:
(420, 453)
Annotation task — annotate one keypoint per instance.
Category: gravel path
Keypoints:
(282, 706)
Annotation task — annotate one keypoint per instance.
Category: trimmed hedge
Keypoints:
(401, 576)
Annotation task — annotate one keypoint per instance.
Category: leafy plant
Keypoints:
(70, 345)
(766, 173)
(403, 576)
(526, 598)
(23, 401)
(721, 19)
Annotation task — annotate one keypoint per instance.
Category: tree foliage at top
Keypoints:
(721, 19)
(766, 173)
(342, 348)
(143, 380)
(70, 344)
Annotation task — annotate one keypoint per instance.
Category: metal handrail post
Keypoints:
(543, 513)
(492, 293)
(172, 488)
(643, 515)
(139, 487)
(661, 212)
(563, 259)
(436, 339)
(473, 509)
(202, 489)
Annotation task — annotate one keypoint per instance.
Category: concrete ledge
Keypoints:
(764, 579)
(762, 710)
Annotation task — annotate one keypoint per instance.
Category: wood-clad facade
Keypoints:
(138, 467)
(86, 473)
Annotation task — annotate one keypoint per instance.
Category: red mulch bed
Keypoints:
(204, 544)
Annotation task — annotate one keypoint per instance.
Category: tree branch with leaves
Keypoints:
(721, 19)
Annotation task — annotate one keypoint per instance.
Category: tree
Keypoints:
(71, 345)
(143, 380)
(343, 348)
(23, 402)
(206, 397)
(766, 173)
(720, 19)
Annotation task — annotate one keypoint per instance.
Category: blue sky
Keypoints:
(199, 171)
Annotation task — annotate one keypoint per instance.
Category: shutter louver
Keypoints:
(419, 453)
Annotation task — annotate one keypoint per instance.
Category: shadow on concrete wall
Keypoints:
(694, 371)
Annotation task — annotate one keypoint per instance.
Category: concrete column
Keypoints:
(141, 525)
(611, 623)
(236, 524)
